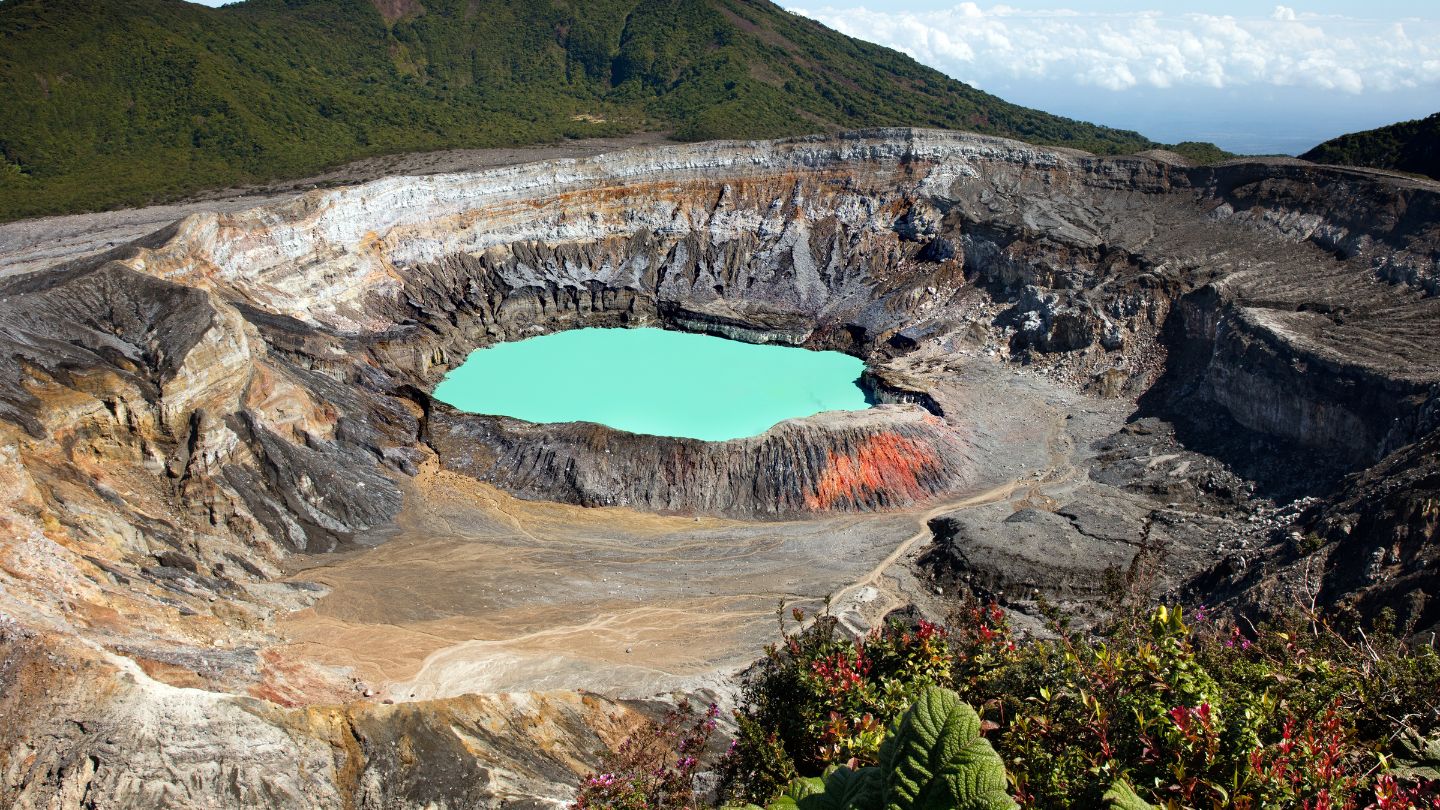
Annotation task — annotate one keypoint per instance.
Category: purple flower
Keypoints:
(602, 780)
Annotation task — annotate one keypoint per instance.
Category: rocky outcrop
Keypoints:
(129, 740)
(1304, 370)
(1381, 539)
(884, 458)
(1029, 552)
(1373, 547)
(1095, 551)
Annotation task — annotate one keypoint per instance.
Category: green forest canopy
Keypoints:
(1410, 146)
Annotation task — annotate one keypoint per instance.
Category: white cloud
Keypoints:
(1156, 49)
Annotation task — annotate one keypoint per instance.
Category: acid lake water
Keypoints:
(654, 381)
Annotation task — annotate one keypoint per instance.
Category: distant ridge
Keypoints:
(118, 102)
(1410, 146)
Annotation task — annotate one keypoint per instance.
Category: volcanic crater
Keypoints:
(242, 530)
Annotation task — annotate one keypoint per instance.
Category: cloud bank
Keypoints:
(1155, 49)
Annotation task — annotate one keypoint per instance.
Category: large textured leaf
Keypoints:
(849, 790)
(805, 787)
(1121, 796)
(795, 795)
(1417, 757)
(935, 759)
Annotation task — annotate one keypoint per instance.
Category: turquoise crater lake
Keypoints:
(654, 381)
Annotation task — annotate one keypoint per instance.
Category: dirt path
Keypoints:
(876, 574)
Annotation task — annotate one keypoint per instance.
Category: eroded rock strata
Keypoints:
(182, 415)
(883, 458)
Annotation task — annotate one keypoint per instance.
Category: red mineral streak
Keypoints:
(290, 682)
(885, 462)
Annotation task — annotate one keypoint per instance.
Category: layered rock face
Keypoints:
(883, 458)
(181, 415)
(110, 735)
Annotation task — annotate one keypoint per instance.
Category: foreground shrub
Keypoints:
(822, 698)
(1151, 711)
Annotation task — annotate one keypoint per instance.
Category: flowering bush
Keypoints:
(1180, 714)
(1153, 710)
(655, 768)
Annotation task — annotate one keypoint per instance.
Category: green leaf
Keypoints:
(849, 790)
(935, 759)
(804, 787)
(1121, 796)
(799, 790)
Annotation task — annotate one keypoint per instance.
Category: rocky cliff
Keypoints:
(883, 458)
(181, 416)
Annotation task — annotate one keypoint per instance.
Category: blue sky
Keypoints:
(1252, 77)
(1387, 9)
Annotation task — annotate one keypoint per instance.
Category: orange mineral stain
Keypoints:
(885, 462)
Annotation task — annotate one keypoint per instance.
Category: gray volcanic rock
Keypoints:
(1030, 551)
(1046, 323)
(1308, 372)
(1374, 546)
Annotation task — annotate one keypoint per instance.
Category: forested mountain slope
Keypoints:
(1410, 146)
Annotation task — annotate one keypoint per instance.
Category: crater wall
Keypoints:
(180, 416)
